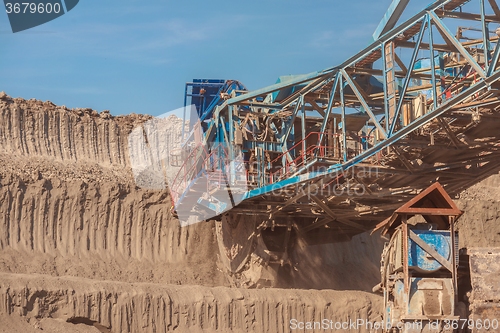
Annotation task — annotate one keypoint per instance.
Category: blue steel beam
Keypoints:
(433, 63)
(446, 33)
(303, 127)
(391, 17)
(344, 136)
(459, 98)
(328, 110)
(353, 86)
(494, 59)
(290, 127)
(184, 112)
(407, 79)
(340, 168)
(385, 70)
(278, 86)
(317, 84)
(486, 35)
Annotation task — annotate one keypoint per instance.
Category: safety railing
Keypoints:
(454, 87)
(212, 161)
(189, 167)
(216, 163)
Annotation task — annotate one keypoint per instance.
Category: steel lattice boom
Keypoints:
(329, 154)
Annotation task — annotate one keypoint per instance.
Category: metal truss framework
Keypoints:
(419, 104)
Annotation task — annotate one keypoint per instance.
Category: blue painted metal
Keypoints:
(200, 99)
(339, 168)
(433, 64)
(363, 102)
(494, 60)
(281, 94)
(391, 17)
(230, 147)
(218, 207)
(269, 146)
(288, 95)
(329, 107)
(451, 38)
(205, 94)
(439, 240)
(303, 127)
(289, 128)
(407, 78)
(419, 271)
(342, 103)
(386, 105)
(278, 86)
(486, 34)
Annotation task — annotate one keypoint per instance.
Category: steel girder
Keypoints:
(417, 105)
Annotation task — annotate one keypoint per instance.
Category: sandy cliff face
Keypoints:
(480, 224)
(353, 265)
(71, 210)
(36, 128)
(105, 232)
(69, 203)
(147, 308)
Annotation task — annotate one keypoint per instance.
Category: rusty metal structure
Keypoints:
(429, 285)
(328, 155)
(419, 264)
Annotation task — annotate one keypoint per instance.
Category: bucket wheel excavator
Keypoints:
(327, 155)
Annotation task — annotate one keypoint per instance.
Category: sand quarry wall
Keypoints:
(69, 206)
(71, 210)
(148, 308)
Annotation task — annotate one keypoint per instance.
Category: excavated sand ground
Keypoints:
(144, 307)
(80, 241)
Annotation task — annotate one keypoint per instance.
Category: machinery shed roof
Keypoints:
(433, 203)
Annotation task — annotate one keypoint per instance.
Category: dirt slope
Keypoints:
(111, 252)
(69, 207)
(69, 204)
(102, 230)
(480, 224)
(149, 308)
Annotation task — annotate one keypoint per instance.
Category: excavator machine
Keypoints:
(324, 156)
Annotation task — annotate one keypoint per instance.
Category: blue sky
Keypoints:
(135, 56)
